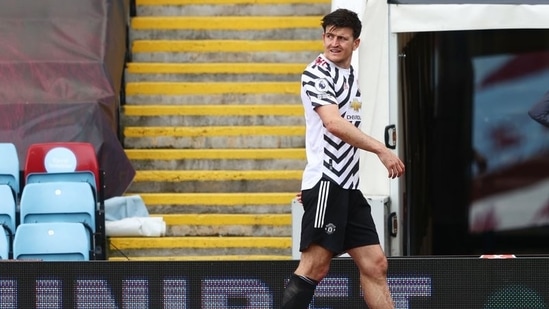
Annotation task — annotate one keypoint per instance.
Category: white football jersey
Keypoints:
(323, 83)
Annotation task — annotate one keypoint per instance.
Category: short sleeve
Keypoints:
(319, 87)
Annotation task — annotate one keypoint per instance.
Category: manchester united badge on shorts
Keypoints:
(330, 228)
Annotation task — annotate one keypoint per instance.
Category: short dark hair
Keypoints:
(343, 18)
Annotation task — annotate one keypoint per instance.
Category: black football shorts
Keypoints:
(335, 218)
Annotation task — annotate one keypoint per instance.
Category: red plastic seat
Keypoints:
(61, 159)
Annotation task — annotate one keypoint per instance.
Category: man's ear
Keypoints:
(356, 43)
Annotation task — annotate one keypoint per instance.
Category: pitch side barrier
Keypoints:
(430, 282)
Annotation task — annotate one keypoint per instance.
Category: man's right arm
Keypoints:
(352, 135)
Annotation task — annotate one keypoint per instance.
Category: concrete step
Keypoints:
(211, 92)
(225, 27)
(212, 115)
(211, 88)
(219, 72)
(217, 155)
(218, 202)
(190, 121)
(212, 99)
(225, 50)
(196, 220)
(214, 175)
(198, 246)
(210, 137)
(214, 131)
(231, 7)
(280, 109)
(205, 181)
(227, 224)
(217, 159)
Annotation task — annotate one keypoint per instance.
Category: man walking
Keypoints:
(337, 217)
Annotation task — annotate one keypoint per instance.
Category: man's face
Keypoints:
(339, 45)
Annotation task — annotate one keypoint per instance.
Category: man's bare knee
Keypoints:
(314, 263)
(377, 269)
(371, 261)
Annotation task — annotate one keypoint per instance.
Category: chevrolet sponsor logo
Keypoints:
(356, 105)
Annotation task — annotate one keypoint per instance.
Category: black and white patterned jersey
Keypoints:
(323, 83)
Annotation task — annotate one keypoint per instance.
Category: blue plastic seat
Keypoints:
(58, 202)
(52, 241)
(9, 167)
(7, 208)
(5, 246)
(7, 219)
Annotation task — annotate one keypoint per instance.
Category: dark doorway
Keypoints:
(478, 164)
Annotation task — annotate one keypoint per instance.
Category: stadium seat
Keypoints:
(9, 167)
(7, 210)
(5, 246)
(58, 202)
(67, 161)
(7, 220)
(52, 241)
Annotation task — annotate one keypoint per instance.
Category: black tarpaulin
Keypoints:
(61, 66)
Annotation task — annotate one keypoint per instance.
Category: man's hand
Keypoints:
(394, 165)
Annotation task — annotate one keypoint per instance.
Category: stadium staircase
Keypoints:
(214, 126)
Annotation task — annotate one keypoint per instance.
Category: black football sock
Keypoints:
(299, 292)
